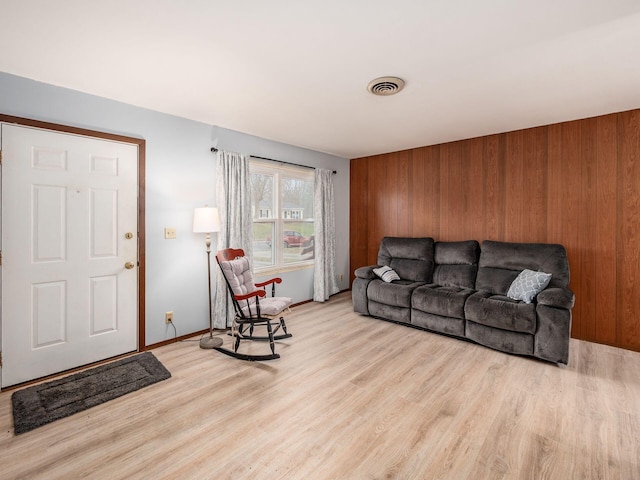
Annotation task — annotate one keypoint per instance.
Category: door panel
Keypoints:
(104, 219)
(48, 314)
(67, 203)
(49, 223)
(104, 304)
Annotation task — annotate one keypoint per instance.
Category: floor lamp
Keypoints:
(206, 220)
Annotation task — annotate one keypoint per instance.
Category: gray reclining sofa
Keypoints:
(460, 289)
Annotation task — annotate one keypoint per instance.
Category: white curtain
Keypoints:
(233, 194)
(324, 221)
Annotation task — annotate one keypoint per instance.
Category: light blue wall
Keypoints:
(179, 176)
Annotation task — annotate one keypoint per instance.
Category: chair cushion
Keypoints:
(501, 311)
(238, 274)
(396, 294)
(439, 300)
(269, 306)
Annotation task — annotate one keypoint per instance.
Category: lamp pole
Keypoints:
(207, 220)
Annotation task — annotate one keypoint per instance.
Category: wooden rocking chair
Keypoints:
(252, 307)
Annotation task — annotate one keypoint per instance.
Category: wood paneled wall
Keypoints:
(574, 183)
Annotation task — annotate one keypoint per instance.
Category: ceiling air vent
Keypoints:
(385, 85)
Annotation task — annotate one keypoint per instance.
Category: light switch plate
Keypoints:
(170, 233)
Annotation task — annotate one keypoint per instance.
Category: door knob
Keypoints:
(128, 235)
(129, 265)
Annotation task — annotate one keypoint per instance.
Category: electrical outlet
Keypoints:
(168, 317)
(341, 277)
(170, 233)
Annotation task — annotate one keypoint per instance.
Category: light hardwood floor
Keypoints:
(352, 398)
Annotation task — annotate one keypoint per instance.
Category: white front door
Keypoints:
(69, 251)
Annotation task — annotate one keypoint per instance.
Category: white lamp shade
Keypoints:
(206, 220)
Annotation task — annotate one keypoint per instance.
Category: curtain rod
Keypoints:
(214, 150)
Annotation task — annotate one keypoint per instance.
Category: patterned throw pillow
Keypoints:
(386, 273)
(528, 284)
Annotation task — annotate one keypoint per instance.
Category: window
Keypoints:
(282, 206)
(265, 213)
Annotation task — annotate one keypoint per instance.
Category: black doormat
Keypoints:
(41, 404)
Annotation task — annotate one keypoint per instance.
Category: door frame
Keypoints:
(141, 143)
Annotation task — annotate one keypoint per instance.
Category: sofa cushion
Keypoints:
(396, 294)
(439, 300)
(501, 262)
(495, 280)
(501, 311)
(456, 264)
(457, 253)
(438, 323)
(462, 276)
(411, 258)
(527, 285)
(503, 340)
(395, 314)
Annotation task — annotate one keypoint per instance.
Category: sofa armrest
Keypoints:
(366, 272)
(556, 297)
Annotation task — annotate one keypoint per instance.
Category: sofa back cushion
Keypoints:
(501, 262)
(411, 258)
(456, 264)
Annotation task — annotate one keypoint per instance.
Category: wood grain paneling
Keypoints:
(534, 185)
(628, 331)
(587, 225)
(514, 193)
(605, 230)
(570, 210)
(555, 187)
(493, 179)
(574, 183)
(447, 199)
(426, 190)
(475, 210)
(404, 198)
(378, 195)
(359, 218)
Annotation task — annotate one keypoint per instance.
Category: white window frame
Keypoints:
(279, 172)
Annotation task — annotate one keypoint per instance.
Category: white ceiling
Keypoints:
(296, 71)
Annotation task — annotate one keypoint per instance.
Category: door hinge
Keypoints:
(0, 358)
(0, 257)
(0, 157)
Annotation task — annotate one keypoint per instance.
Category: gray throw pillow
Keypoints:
(528, 284)
(386, 273)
